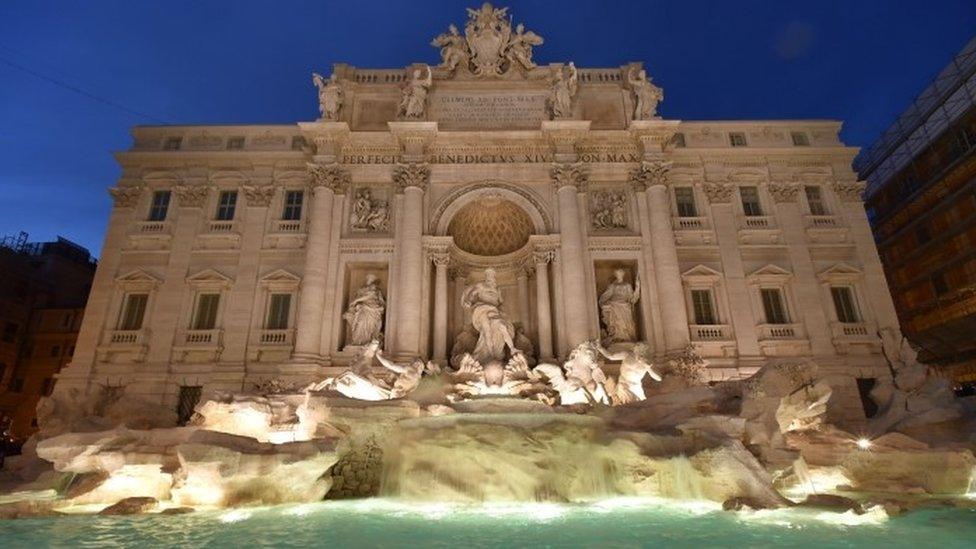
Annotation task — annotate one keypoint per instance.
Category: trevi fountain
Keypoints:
(555, 326)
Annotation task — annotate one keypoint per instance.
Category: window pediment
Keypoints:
(280, 279)
(840, 272)
(770, 274)
(209, 278)
(138, 279)
(702, 275)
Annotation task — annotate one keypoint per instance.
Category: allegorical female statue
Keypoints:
(646, 94)
(330, 96)
(617, 309)
(562, 91)
(365, 313)
(413, 101)
(495, 332)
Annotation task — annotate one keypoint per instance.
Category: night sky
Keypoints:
(210, 62)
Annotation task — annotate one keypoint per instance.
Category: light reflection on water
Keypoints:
(387, 523)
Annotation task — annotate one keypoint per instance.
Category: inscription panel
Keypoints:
(488, 111)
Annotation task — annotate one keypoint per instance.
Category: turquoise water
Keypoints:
(383, 523)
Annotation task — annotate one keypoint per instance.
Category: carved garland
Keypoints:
(125, 197)
(784, 192)
(648, 174)
(570, 175)
(333, 177)
(719, 192)
(258, 195)
(191, 197)
(411, 175)
(849, 191)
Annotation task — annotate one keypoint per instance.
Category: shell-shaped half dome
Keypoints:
(490, 226)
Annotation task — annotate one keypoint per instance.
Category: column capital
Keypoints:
(413, 137)
(125, 197)
(653, 136)
(563, 135)
(719, 192)
(784, 192)
(849, 191)
(542, 257)
(650, 173)
(326, 137)
(570, 174)
(411, 175)
(331, 176)
(258, 195)
(440, 259)
(191, 197)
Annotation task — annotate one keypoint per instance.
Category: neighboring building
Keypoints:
(233, 252)
(921, 199)
(43, 289)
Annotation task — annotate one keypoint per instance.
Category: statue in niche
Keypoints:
(413, 101)
(629, 385)
(330, 96)
(520, 47)
(562, 91)
(369, 214)
(617, 309)
(365, 313)
(454, 48)
(495, 332)
(609, 210)
(646, 95)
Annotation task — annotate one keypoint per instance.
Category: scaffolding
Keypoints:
(951, 93)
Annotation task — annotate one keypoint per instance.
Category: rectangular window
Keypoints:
(750, 201)
(685, 199)
(773, 306)
(278, 310)
(293, 206)
(133, 311)
(815, 200)
(173, 144)
(206, 313)
(737, 139)
(66, 320)
(235, 143)
(189, 397)
(226, 205)
(160, 205)
(844, 304)
(55, 351)
(704, 310)
(679, 140)
(800, 139)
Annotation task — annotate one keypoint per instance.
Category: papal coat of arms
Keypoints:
(489, 47)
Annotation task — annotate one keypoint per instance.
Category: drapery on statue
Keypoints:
(488, 48)
(629, 386)
(617, 309)
(454, 48)
(413, 101)
(580, 380)
(520, 47)
(495, 332)
(369, 214)
(646, 95)
(330, 96)
(562, 91)
(365, 313)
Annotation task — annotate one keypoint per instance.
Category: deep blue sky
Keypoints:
(210, 62)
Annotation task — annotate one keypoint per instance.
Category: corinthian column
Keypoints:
(441, 261)
(570, 180)
(411, 180)
(326, 182)
(653, 176)
(542, 304)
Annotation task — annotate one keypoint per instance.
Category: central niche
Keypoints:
(490, 226)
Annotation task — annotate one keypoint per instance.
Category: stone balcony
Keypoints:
(198, 345)
(758, 229)
(285, 233)
(131, 344)
(824, 228)
(219, 234)
(713, 340)
(690, 231)
(855, 337)
(782, 339)
(271, 345)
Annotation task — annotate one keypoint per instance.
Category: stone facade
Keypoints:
(713, 218)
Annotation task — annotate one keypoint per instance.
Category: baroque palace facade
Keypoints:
(238, 254)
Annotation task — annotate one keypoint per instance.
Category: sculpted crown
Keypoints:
(191, 197)
(334, 177)
(411, 175)
(489, 47)
(570, 174)
(650, 173)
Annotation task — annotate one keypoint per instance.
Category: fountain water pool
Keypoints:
(389, 522)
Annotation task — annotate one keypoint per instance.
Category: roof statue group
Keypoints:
(490, 48)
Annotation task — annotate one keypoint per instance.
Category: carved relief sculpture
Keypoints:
(646, 95)
(330, 96)
(488, 48)
(364, 317)
(562, 92)
(608, 210)
(369, 214)
(617, 309)
(413, 99)
(125, 197)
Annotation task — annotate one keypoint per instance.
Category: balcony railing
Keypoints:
(202, 337)
(755, 222)
(711, 332)
(781, 331)
(152, 227)
(127, 337)
(221, 226)
(852, 329)
(690, 223)
(821, 221)
(287, 226)
(275, 337)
